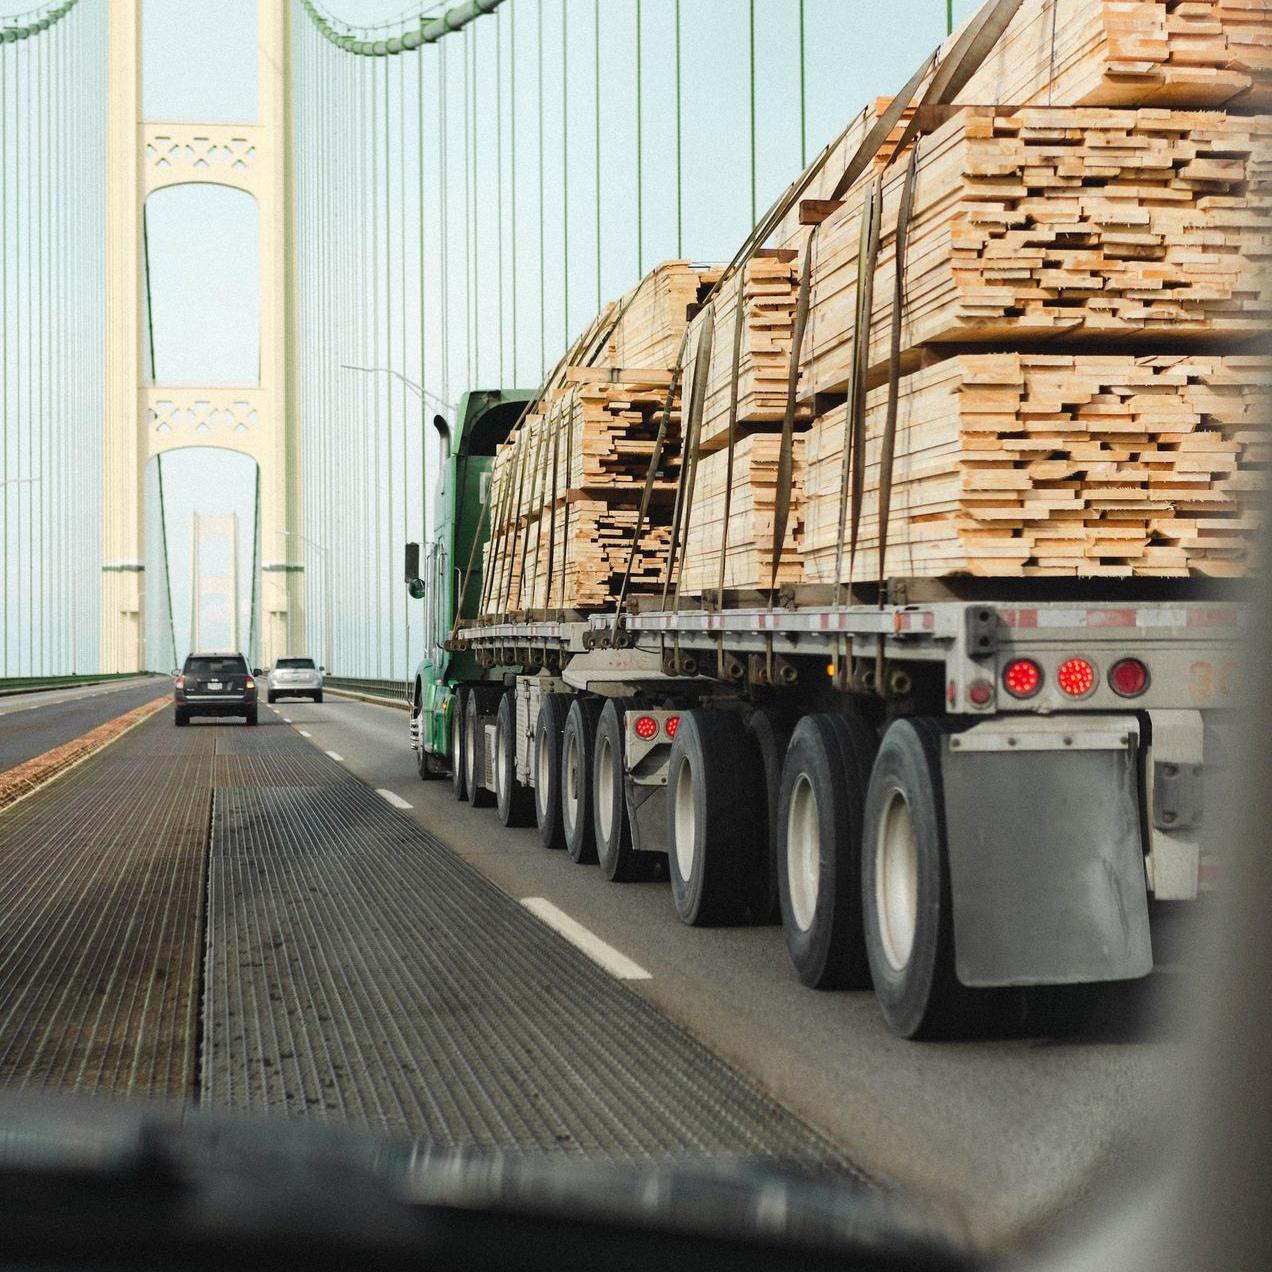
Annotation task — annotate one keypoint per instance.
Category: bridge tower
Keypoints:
(143, 420)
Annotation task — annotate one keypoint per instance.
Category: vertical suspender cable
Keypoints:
(680, 153)
(596, 86)
(499, 184)
(512, 146)
(388, 362)
(565, 178)
(474, 374)
(754, 210)
(442, 200)
(640, 183)
(419, 172)
(406, 608)
(543, 264)
(4, 354)
(803, 94)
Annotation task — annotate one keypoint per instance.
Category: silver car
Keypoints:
(295, 678)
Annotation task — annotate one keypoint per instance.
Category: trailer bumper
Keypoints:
(1046, 854)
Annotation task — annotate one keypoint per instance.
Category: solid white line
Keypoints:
(303, 734)
(396, 800)
(598, 951)
(334, 756)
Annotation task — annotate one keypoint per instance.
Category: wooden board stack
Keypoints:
(1037, 464)
(566, 485)
(1179, 53)
(1050, 225)
(770, 288)
(749, 558)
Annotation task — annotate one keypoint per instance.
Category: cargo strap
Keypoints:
(889, 443)
(692, 420)
(734, 367)
(785, 456)
(651, 475)
(852, 471)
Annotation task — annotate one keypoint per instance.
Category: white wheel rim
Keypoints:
(570, 804)
(803, 852)
(605, 788)
(685, 822)
(470, 751)
(500, 760)
(897, 881)
(542, 773)
(456, 756)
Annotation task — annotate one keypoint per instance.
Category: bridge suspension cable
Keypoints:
(52, 201)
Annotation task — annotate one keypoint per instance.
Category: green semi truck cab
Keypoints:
(435, 570)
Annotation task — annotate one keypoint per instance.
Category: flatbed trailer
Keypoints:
(938, 798)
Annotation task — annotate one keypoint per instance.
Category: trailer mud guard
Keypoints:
(1045, 850)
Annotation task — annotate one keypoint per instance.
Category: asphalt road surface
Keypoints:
(1005, 1132)
(32, 723)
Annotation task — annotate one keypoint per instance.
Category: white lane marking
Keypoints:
(396, 800)
(334, 756)
(614, 962)
(303, 734)
(287, 719)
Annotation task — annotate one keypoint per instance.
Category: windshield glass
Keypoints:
(772, 488)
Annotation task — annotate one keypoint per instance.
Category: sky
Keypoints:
(199, 64)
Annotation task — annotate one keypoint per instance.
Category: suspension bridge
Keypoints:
(447, 211)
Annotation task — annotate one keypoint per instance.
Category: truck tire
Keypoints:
(619, 861)
(578, 746)
(458, 711)
(906, 890)
(549, 730)
(715, 818)
(478, 706)
(770, 732)
(819, 820)
(513, 801)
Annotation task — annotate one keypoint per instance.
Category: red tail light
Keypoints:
(671, 724)
(1022, 678)
(180, 682)
(251, 684)
(1076, 677)
(1129, 677)
(646, 727)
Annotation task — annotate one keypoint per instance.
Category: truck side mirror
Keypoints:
(416, 589)
(412, 570)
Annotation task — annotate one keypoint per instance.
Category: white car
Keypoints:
(295, 678)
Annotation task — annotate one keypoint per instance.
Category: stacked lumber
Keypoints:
(566, 484)
(749, 550)
(1058, 225)
(654, 314)
(1037, 464)
(769, 284)
(1179, 53)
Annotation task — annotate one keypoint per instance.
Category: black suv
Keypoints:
(215, 685)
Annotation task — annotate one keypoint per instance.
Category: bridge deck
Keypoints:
(353, 967)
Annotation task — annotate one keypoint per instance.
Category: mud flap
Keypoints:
(1045, 851)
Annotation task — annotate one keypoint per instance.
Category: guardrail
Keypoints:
(397, 691)
(38, 684)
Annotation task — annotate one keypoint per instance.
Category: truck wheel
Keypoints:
(459, 710)
(514, 802)
(475, 748)
(578, 745)
(771, 734)
(905, 887)
(819, 819)
(715, 818)
(619, 861)
(549, 729)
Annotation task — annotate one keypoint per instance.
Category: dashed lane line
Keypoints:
(396, 800)
(338, 758)
(601, 952)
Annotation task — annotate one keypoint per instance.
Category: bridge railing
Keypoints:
(35, 684)
(395, 691)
